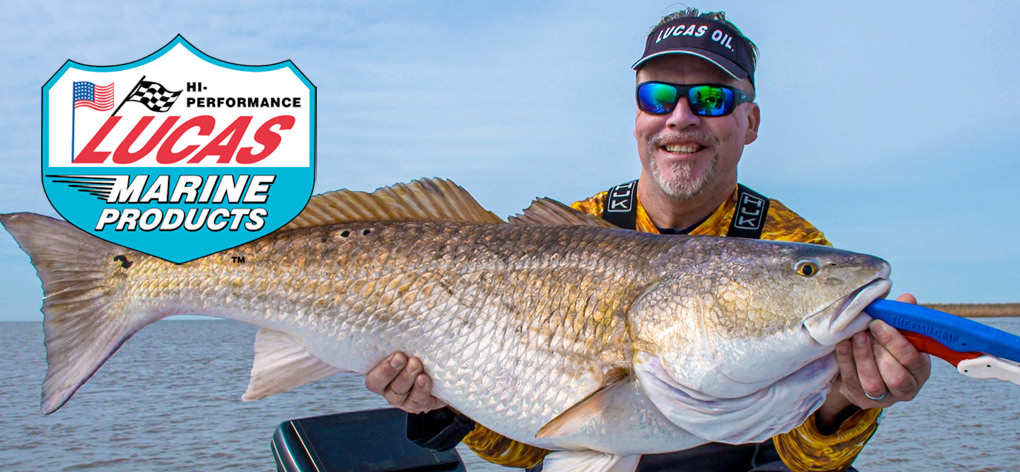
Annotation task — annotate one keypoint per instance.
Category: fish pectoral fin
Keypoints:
(589, 461)
(576, 416)
(545, 211)
(282, 363)
(420, 200)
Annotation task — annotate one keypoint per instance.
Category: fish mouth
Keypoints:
(846, 317)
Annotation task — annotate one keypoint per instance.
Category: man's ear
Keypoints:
(753, 119)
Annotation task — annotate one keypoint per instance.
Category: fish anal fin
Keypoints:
(545, 211)
(282, 363)
(421, 200)
(589, 461)
(580, 413)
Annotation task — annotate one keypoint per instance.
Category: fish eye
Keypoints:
(806, 268)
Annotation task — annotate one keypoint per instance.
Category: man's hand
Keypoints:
(880, 367)
(404, 384)
(877, 368)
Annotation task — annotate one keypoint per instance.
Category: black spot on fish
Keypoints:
(366, 232)
(345, 233)
(124, 262)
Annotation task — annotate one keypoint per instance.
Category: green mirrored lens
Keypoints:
(710, 100)
(656, 98)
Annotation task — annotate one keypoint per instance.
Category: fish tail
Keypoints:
(83, 319)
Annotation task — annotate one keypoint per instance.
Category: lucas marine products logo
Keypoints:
(178, 154)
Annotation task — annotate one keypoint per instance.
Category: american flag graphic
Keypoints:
(96, 97)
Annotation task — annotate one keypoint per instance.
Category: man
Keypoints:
(696, 112)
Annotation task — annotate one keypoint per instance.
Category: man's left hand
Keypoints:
(877, 368)
(880, 367)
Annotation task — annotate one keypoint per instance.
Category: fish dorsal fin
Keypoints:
(282, 363)
(546, 211)
(578, 415)
(424, 199)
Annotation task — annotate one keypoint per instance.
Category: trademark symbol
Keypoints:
(237, 259)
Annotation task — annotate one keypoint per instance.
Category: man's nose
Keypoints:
(682, 117)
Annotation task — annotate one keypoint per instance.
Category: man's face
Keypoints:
(686, 154)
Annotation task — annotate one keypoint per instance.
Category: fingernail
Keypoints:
(860, 340)
(421, 381)
(843, 348)
(397, 361)
(877, 327)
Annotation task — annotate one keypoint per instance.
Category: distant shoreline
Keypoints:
(978, 310)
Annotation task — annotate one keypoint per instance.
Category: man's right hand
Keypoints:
(404, 384)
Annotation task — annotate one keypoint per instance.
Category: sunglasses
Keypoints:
(660, 98)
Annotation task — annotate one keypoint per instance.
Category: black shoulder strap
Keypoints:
(749, 217)
(621, 205)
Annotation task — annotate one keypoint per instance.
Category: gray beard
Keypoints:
(682, 186)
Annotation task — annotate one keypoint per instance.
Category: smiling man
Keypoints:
(689, 153)
(695, 113)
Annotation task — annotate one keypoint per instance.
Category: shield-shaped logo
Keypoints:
(178, 154)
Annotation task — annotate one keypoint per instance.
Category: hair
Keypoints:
(719, 16)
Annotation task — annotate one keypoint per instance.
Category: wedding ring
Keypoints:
(878, 398)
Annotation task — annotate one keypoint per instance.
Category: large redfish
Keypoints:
(554, 330)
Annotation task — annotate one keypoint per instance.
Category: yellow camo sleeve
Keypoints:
(496, 448)
(805, 449)
(593, 206)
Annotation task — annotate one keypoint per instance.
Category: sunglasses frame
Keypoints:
(682, 90)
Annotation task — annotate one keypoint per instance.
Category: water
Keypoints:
(169, 400)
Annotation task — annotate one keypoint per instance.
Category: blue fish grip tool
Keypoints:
(977, 350)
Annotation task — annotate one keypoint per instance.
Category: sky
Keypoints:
(889, 125)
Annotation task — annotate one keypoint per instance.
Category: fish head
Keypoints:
(730, 316)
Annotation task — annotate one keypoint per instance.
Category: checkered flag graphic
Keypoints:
(154, 96)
